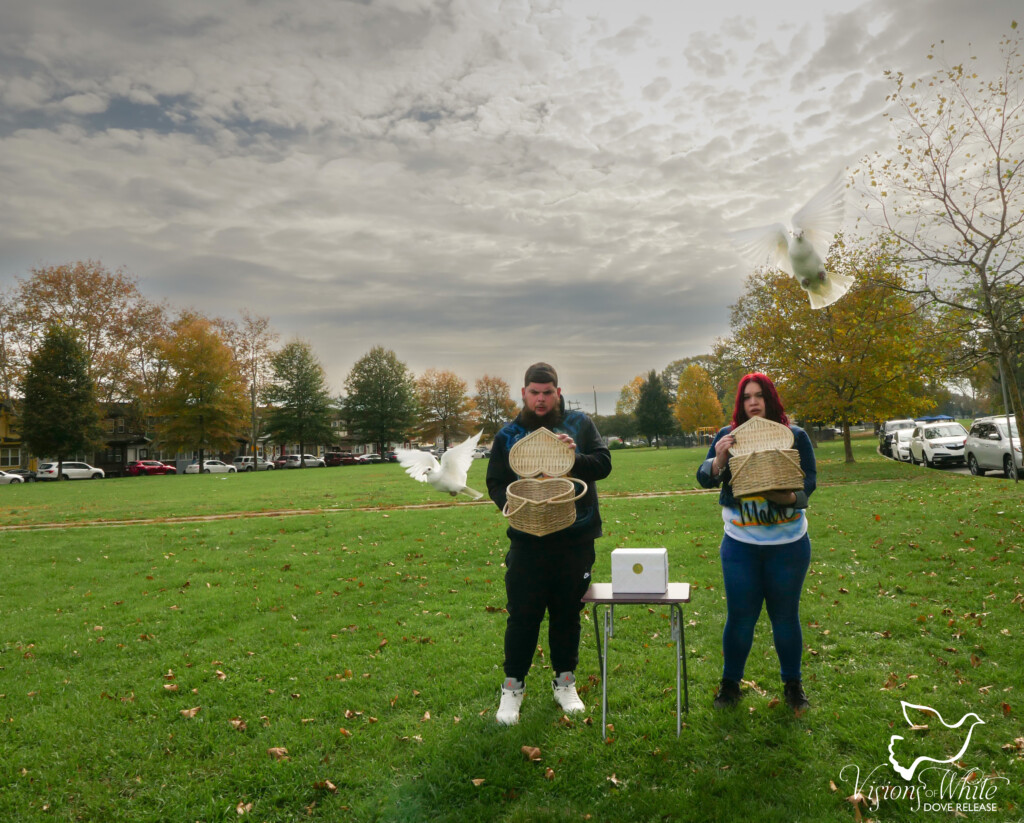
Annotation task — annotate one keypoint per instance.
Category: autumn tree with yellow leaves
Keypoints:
(867, 356)
(697, 404)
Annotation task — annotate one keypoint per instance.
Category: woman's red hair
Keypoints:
(772, 404)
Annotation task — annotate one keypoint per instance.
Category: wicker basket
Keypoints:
(763, 459)
(540, 507)
(541, 452)
(542, 501)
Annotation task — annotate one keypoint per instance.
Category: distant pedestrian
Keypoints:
(765, 551)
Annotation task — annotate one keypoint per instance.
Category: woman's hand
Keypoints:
(722, 454)
(781, 498)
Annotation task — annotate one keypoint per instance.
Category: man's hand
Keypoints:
(567, 439)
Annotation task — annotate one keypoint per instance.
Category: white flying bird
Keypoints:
(447, 476)
(801, 253)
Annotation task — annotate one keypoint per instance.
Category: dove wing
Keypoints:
(822, 217)
(459, 458)
(766, 244)
(416, 463)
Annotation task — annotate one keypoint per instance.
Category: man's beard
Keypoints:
(534, 421)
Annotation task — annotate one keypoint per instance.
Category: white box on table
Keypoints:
(639, 571)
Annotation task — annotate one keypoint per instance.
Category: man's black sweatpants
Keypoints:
(552, 579)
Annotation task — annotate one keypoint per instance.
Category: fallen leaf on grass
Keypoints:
(478, 781)
(832, 787)
(856, 800)
(549, 773)
(325, 786)
(278, 753)
(531, 753)
(613, 779)
(220, 675)
(190, 713)
(975, 660)
(345, 732)
(425, 718)
(171, 687)
(750, 684)
(773, 702)
(238, 724)
(1007, 709)
(243, 808)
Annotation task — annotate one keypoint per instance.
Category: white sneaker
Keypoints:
(564, 687)
(511, 699)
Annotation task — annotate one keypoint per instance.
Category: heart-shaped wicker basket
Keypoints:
(763, 458)
(542, 501)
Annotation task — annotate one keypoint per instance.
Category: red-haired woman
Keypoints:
(765, 551)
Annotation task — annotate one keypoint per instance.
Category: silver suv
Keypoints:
(988, 448)
(252, 464)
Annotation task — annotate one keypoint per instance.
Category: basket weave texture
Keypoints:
(763, 458)
(541, 452)
(542, 505)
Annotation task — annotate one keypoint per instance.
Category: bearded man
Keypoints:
(549, 573)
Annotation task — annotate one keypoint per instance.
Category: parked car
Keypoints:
(936, 444)
(210, 467)
(26, 475)
(70, 470)
(481, 452)
(252, 464)
(340, 459)
(391, 457)
(889, 428)
(140, 468)
(9, 479)
(280, 460)
(309, 461)
(988, 448)
(372, 457)
(900, 446)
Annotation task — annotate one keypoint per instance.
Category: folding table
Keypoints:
(601, 594)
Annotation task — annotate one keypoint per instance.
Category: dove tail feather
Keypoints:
(835, 287)
(471, 492)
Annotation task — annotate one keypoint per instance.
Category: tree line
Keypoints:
(77, 339)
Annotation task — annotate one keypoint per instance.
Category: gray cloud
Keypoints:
(476, 185)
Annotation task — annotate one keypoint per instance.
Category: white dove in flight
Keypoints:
(907, 772)
(447, 476)
(801, 253)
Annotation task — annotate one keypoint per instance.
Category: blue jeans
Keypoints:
(770, 575)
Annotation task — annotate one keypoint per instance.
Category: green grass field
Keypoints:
(149, 670)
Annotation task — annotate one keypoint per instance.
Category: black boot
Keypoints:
(728, 695)
(795, 697)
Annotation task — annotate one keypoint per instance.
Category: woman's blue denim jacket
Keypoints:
(807, 463)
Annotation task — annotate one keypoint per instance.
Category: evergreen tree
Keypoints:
(60, 415)
(302, 403)
(653, 414)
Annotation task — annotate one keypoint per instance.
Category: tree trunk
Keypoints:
(847, 445)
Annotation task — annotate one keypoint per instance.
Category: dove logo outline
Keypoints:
(907, 772)
(945, 784)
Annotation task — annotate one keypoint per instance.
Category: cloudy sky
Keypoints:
(476, 184)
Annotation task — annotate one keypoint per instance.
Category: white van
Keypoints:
(252, 464)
